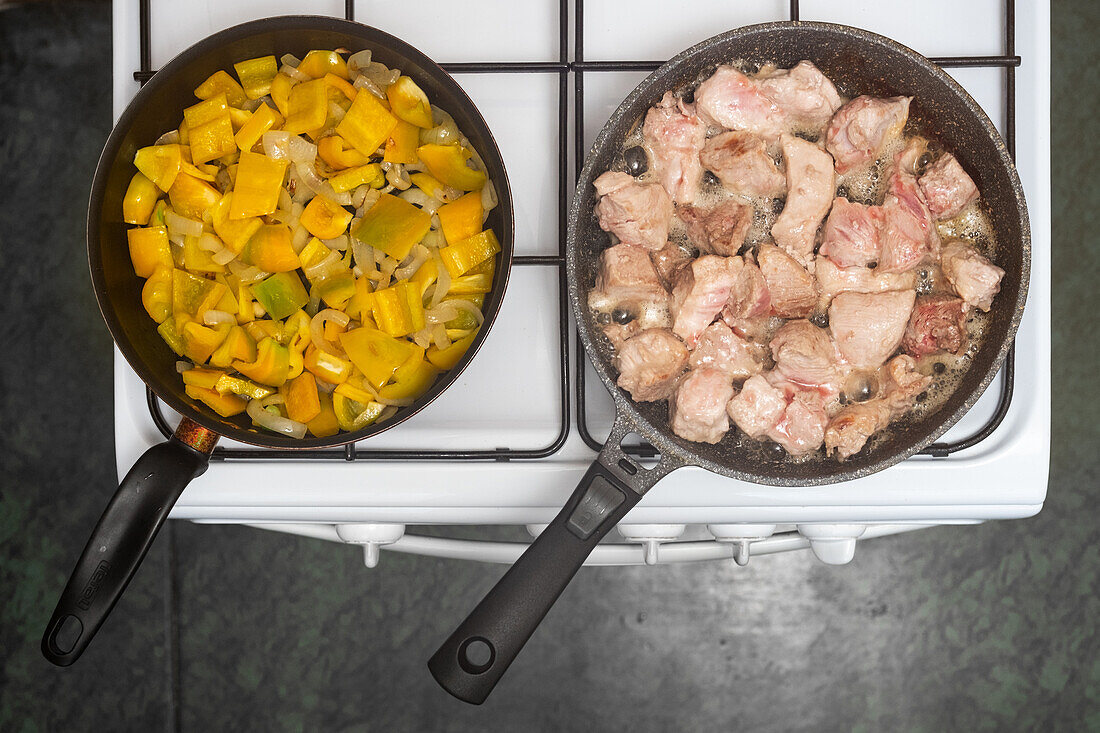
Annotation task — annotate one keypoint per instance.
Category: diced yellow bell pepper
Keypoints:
(337, 289)
(359, 305)
(239, 117)
(171, 336)
(235, 385)
(297, 330)
(398, 310)
(198, 259)
(224, 405)
(427, 184)
(327, 367)
(157, 294)
(393, 225)
(447, 164)
(377, 354)
(260, 121)
(222, 83)
(471, 285)
(156, 219)
(367, 124)
(149, 249)
(245, 312)
(212, 140)
(200, 341)
(265, 328)
(307, 107)
(208, 110)
(271, 250)
(204, 173)
(334, 152)
(425, 275)
(352, 415)
(256, 191)
(281, 294)
(280, 92)
(412, 379)
(371, 175)
(332, 81)
(191, 197)
(401, 144)
(325, 424)
(448, 357)
(463, 255)
(465, 320)
(234, 233)
(256, 75)
(193, 295)
(325, 219)
(302, 401)
(332, 331)
(205, 378)
(488, 267)
(238, 345)
(409, 102)
(353, 391)
(462, 218)
(160, 164)
(139, 201)
(318, 63)
(314, 251)
(296, 364)
(271, 365)
(228, 302)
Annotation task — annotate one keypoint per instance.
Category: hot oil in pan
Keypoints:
(866, 185)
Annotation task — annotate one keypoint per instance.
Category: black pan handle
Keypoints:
(474, 658)
(118, 544)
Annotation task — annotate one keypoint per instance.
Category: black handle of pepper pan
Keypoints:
(119, 543)
(474, 658)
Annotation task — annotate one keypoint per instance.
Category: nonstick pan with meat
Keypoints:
(147, 493)
(476, 655)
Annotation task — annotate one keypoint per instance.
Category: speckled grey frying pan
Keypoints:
(472, 660)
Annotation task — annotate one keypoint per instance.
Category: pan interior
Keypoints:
(857, 62)
(159, 106)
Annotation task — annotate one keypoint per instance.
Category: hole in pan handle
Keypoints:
(474, 658)
(122, 537)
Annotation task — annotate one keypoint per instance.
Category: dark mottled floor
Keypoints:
(988, 628)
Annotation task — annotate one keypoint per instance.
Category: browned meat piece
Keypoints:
(937, 326)
(699, 293)
(852, 234)
(732, 100)
(947, 188)
(741, 162)
(757, 408)
(793, 291)
(667, 261)
(674, 136)
(859, 130)
(720, 231)
(719, 347)
(974, 278)
(697, 410)
(636, 213)
(749, 296)
(805, 355)
(626, 279)
(776, 101)
(805, 96)
(801, 428)
(868, 327)
(833, 279)
(617, 334)
(650, 363)
(849, 430)
(811, 184)
(909, 235)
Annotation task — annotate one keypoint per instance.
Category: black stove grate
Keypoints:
(578, 67)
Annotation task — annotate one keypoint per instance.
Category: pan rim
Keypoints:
(292, 23)
(658, 435)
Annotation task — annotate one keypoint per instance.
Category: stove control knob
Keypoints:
(741, 536)
(650, 536)
(536, 529)
(834, 544)
(371, 537)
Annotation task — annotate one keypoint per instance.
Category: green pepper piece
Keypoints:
(281, 294)
(171, 336)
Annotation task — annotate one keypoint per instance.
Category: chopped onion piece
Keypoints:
(276, 144)
(358, 60)
(369, 200)
(168, 138)
(285, 201)
(312, 181)
(362, 82)
(396, 176)
(317, 329)
(489, 199)
(417, 257)
(421, 199)
(469, 307)
(443, 281)
(224, 257)
(290, 60)
(325, 268)
(276, 423)
(209, 242)
(301, 150)
(387, 412)
(214, 317)
(181, 225)
(184, 366)
(300, 239)
(380, 74)
(382, 400)
(339, 243)
(441, 313)
(293, 73)
(247, 273)
(363, 254)
(439, 336)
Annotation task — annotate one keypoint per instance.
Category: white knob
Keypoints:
(833, 544)
(536, 529)
(741, 536)
(650, 536)
(371, 536)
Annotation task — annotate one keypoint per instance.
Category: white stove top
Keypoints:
(496, 405)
